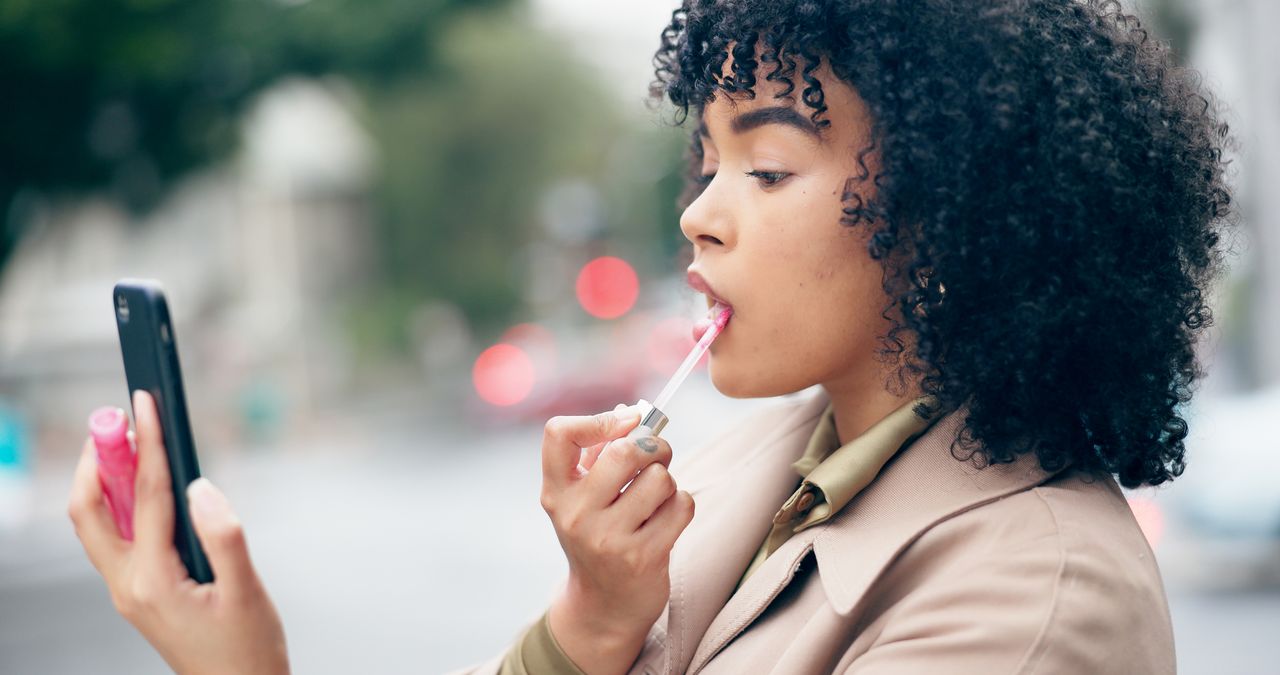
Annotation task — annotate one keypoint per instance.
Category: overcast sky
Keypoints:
(619, 37)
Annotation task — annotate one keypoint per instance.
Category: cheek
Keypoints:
(811, 317)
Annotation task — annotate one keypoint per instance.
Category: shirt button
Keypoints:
(805, 502)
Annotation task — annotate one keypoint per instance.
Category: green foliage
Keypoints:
(474, 112)
(129, 94)
(468, 152)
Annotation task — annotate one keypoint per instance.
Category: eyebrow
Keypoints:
(760, 117)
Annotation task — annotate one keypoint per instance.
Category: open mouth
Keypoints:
(697, 283)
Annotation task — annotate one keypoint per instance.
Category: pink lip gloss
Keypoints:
(117, 464)
(654, 419)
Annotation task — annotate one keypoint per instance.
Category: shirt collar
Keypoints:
(834, 475)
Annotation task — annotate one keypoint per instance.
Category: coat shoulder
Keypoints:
(1110, 593)
(1059, 577)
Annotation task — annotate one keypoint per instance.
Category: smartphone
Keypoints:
(150, 350)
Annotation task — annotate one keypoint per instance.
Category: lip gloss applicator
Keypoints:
(654, 419)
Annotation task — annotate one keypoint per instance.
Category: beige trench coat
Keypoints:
(936, 567)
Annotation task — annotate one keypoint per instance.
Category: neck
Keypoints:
(861, 403)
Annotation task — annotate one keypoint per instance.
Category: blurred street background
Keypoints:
(396, 237)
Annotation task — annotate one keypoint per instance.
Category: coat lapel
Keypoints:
(922, 485)
(736, 495)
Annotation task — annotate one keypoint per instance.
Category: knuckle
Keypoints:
(616, 453)
(603, 544)
(555, 428)
(659, 478)
(124, 604)
(684, 503)
(633, 559)
(152, 483)
(548, 501)
(668, 482)
(142, 595)
(229, 534)
(629, 454)
(77, 509)
(572, 523)
(602, 421)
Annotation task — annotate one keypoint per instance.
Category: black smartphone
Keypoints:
(150, 350)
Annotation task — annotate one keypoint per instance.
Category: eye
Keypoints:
(768, 178)
(704, 179)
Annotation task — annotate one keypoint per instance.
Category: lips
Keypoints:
(699, 284)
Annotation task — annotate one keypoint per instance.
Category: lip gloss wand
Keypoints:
(654, 419)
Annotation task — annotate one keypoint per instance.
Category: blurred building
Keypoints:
(248, 252)
(1235, 48)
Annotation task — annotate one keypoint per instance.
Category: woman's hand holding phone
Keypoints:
(227, 626)
(618, 541)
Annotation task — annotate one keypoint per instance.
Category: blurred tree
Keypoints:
(129, 94)
(1174, 21)
(468, 153)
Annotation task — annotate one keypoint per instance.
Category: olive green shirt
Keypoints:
(830, 476)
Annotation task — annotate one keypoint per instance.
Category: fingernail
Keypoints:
(207, 501)
(641, 432)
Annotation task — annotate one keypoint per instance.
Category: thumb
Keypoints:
(222, 537)
(565, 437)
(591, 454)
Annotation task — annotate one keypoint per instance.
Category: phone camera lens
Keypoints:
(122, 308)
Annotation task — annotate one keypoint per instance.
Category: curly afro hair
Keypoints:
(1043, 161)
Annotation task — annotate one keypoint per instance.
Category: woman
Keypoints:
(985, 231)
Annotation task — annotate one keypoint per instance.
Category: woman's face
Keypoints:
(767, 239)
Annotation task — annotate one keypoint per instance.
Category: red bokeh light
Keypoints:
(503, 375)
(607, 287)
(1150, 518)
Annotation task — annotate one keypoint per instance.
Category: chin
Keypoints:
(734, 383)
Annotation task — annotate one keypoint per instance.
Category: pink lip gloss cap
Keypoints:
(116, 464)
(109, 428)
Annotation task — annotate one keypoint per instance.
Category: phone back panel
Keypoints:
(150, 349)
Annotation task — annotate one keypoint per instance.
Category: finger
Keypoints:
(589, 455)
(153, 491)
(223, 540)
(649, 490)
(564, 437)
(668, 521)
(92, 519)
(619, 462)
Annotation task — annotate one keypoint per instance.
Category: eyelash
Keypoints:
(775, 176)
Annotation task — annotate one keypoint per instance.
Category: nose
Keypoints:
(707, 222)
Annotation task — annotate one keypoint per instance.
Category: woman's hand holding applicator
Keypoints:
(617, 513)
(618, 541)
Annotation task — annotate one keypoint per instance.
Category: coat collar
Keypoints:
(737, 483)
(922, 485)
